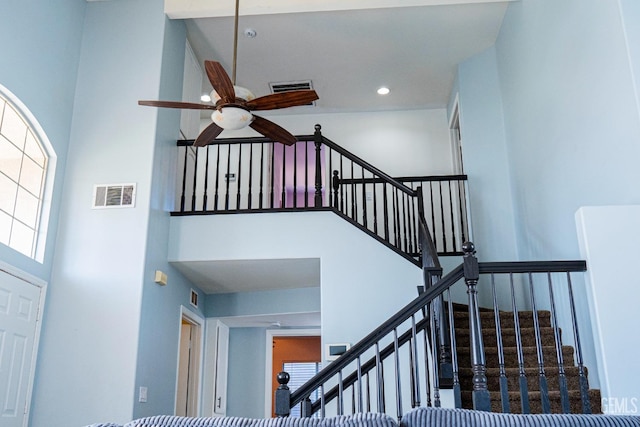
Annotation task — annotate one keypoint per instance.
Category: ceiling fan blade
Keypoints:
(220, 81)
(283, 100)
(175, 104)
(272, 131)
(209, 133)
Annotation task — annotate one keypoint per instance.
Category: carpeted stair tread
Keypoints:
(513, 378)
(529, 343)
(530, 356)
(489, 336)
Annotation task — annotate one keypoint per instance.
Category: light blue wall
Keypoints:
(485, 157)
(571, 116)
(39, 64)
(246, 396)
(160, 312)
(98, 344)
(263, 302)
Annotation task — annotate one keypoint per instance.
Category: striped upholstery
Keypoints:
(441, 417)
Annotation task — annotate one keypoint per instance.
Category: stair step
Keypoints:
(527, 336)
(511, 356)
(513, 379)
(487, 318)
(575, 403)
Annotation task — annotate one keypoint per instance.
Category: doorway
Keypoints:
(300, 347)
(189, 364)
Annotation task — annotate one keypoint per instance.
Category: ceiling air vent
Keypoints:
(114, 196)
(289, 86)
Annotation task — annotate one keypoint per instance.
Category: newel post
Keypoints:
(283, 396)
(480, 394)
(317, 139)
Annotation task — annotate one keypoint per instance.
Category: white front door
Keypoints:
(19, 317)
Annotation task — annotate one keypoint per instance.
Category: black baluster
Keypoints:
(480, 393)
(283, 396)
(306, 174)
(415, 372)
(433, 214)
(453, 223)
(336, 187)
(386, 212)
(318, 143)
(425, 315)
(340, 394)
(184, 179)
(584, 384)
(368, 385)
(322, 402)
(396, 218)
(562, 376)
(354, 212)
(379, 380)
(343, 207)
(295, 175)
(227, 179)
(405, 221)
(504, 387)
(443, 229)
(364, 200)
(250, 196)
(195, 181)
(542, 377)
(283, 194)
(216, 196)
(305, 408)
(273, 177)
(332, 200)
(457, 395)
(462, 202)
(261, 195)
(359, 370)
(434, 356)
(239, 178)
(206, 181)
(396, 357)
(375, 207)
(522, 376)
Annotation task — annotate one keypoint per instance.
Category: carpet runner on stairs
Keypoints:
(512, 367)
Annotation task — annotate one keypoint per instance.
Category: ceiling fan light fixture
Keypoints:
(232, 118)
(241, 92)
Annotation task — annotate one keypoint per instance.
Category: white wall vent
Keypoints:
(114, 196)
(289, 86)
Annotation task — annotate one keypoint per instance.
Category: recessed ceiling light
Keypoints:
(205, 97)
(383, 90)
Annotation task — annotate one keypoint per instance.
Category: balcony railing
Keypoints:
(243, 175)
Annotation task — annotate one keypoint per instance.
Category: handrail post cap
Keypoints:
(283, 378)
(468, 248)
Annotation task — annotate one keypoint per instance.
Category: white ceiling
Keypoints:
(347, 48)
(348, 54)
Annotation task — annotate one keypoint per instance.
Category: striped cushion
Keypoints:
(105, 425)
(357, 420)
(441, 417)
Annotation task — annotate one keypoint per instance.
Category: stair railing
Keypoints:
(247, 175)
(519, 308)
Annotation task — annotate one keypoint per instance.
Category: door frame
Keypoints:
(311, 332)
(198, 321)
(42, 284)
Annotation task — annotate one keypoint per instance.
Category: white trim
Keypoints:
(311, 332)
(199, 321)
(51, 162)
(33, 280)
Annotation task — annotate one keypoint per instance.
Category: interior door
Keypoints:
(19, 321)
(221, 367)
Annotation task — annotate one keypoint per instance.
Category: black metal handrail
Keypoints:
(365, 361)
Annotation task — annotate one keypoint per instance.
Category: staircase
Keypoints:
(508, 347)
(506, 363)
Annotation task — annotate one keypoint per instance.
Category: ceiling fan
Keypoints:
(232, 105)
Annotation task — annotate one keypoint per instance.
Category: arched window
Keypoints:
(23, 174)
